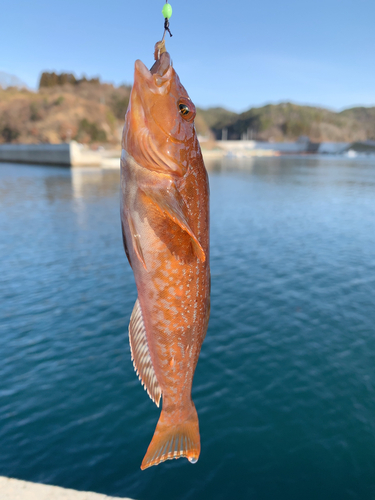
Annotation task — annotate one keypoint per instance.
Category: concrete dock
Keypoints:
(15, 489)
(68, 154)
(74, 154)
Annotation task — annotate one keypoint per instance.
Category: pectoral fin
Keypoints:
(170, 202)
(135, 239)
(125, 244)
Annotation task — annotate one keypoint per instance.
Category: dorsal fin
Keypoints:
(141, 355)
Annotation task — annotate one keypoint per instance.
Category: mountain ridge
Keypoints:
(288, 121)
(92, 112)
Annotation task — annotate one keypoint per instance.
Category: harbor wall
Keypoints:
(69, 154)
(52, 154)
(15, 489)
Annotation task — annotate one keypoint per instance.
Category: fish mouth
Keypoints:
(160, 67)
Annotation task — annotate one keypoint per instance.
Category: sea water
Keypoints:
(285, 383)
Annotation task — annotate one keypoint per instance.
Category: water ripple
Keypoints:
(285, 384)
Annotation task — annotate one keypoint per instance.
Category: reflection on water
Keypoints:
(94, 182)
(285, 384)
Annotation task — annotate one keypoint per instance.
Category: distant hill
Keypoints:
(288, 121)
(89, 111)
(364, 116)
(85, 110)
(57, 79)
(7, 80)
(217, 118)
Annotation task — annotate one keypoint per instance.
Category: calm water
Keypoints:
(285, 384)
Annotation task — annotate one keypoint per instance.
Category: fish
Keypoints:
(165, 228)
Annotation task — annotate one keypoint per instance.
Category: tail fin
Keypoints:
(174, 441)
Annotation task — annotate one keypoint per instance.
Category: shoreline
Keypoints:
(17, 489)
(72, 154)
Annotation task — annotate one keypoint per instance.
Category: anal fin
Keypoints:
(141, 355)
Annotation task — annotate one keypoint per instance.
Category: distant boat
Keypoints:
(351, 153)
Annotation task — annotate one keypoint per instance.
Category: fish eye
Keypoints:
(184, 109)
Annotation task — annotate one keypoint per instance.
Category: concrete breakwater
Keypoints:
(15, 489)
(77, 155)
(68, 154)
(74, 154)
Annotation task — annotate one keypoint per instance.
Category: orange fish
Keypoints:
(165, 225)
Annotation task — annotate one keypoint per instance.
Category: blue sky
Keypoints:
(235, 54)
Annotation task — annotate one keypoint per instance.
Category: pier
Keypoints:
(67, 154)
(15, 489)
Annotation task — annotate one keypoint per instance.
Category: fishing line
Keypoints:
(167, 13)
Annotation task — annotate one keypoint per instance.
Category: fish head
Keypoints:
(159, 128)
